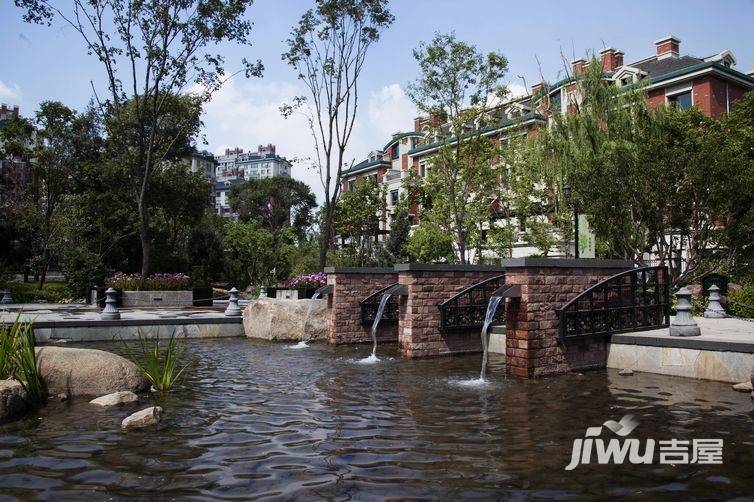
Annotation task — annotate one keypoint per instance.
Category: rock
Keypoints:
(87, 372)
(144, 418)
(274, 319)
(115, 398)
(626, 372)
(12, 399)
(743, 387)
(62, 397)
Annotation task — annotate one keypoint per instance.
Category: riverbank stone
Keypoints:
(743, 387)
(116, 398)
(143, 418)
(277, 319)
(87, 372)
(12, 400)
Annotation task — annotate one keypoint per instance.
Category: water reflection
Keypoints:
(255, 419)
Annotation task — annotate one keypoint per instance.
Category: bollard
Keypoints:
(233, 309)
(714, 309)
(7, 298)
(683, 323)
(111, 309)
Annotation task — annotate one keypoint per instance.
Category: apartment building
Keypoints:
(710, 83)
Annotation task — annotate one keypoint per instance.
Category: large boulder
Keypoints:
(87, 372)
(274, 319)
(12, 399)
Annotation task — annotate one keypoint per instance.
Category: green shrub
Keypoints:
(429, 243)
(741, 302)
(51, 292)
(18, 359)
(161, 367)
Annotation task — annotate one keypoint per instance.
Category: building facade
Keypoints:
(710, 83)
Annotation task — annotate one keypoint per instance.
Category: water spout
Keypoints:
(303, 343)
(491, 309)
(380, 309)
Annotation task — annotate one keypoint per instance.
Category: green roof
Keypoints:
(400, 136)
(502, 124)
(364, 165)
(702, 66)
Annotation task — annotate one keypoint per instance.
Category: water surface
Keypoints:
(257, 420)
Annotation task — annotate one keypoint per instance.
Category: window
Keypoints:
(394, 152)
(422, 169)
(393, 197)
(555, 101)
(627, 80)
(682, 100)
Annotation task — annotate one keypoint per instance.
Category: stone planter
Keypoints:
(290, 294)
(158, 298)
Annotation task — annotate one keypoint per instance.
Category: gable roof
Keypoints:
(401, 135)
(365, 165)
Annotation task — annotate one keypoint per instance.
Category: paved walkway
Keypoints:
(735, 335)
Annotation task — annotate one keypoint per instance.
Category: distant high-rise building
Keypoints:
(16, 175)
(236, 167)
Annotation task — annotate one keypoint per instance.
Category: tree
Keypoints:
(150, 51)
(206, 243)
(253, 247)
(430, 243)
(400, 229)
(459, 84)
(275, 203)
(57, 143)
(328, 49)
(357, 218)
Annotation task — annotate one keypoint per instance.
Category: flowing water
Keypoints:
(303, 343)
(377, 317)
(254, 420)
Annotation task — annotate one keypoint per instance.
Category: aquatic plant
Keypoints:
(18, 359)
(161, 362)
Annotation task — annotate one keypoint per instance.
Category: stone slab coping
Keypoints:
(566, 263)
(359, 270)
(446, 267)
(177, 321)
(681, 342)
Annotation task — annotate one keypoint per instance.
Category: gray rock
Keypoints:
(87, 372)
(12, 400)
(116, 398)
(743, 387)
(626, 372)
(62, 396)
(273, 319)
(144, 418)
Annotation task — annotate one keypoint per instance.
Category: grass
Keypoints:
(160, 364)
(18, 360)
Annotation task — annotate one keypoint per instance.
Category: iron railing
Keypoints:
(370, 304)
(466, 310)
(634, 300)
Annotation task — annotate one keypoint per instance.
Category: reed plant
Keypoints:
(18, 359)
(159, 361)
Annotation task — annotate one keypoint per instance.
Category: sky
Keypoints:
(50, 63)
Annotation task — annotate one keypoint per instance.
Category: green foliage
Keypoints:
(539, 235)
(161, 366)
(400, 230)
(741, 302)
(275, 203)
(255, 251)
(458, 83)
(51, 292)
(82, 269)
(205, 248)
(18, 359)
(357, 218)
(430, 243)
(502, 238)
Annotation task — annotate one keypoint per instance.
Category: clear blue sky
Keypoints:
(40, 63)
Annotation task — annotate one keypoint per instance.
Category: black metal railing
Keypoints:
(634, 300)
(466, 310)
(371, 303)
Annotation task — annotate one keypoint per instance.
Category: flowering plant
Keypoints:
(156, 282)
(307, 281)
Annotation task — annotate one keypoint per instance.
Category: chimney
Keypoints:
(577, 66)
(537, 88)
(668, 47)
(611, 58)
(419, 123)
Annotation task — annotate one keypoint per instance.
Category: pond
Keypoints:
(259, 420)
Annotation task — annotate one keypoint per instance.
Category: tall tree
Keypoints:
(328, 48)
(276, 203)
(357, 218)
(459, 84)
(150, 51)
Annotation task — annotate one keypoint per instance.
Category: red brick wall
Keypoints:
(532, 346)
(419, 319)
(655, 98)
(344, 305)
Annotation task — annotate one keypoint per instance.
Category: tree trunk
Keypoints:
(146, 244)
(324, 236)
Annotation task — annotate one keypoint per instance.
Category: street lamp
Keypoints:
(567, 193)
